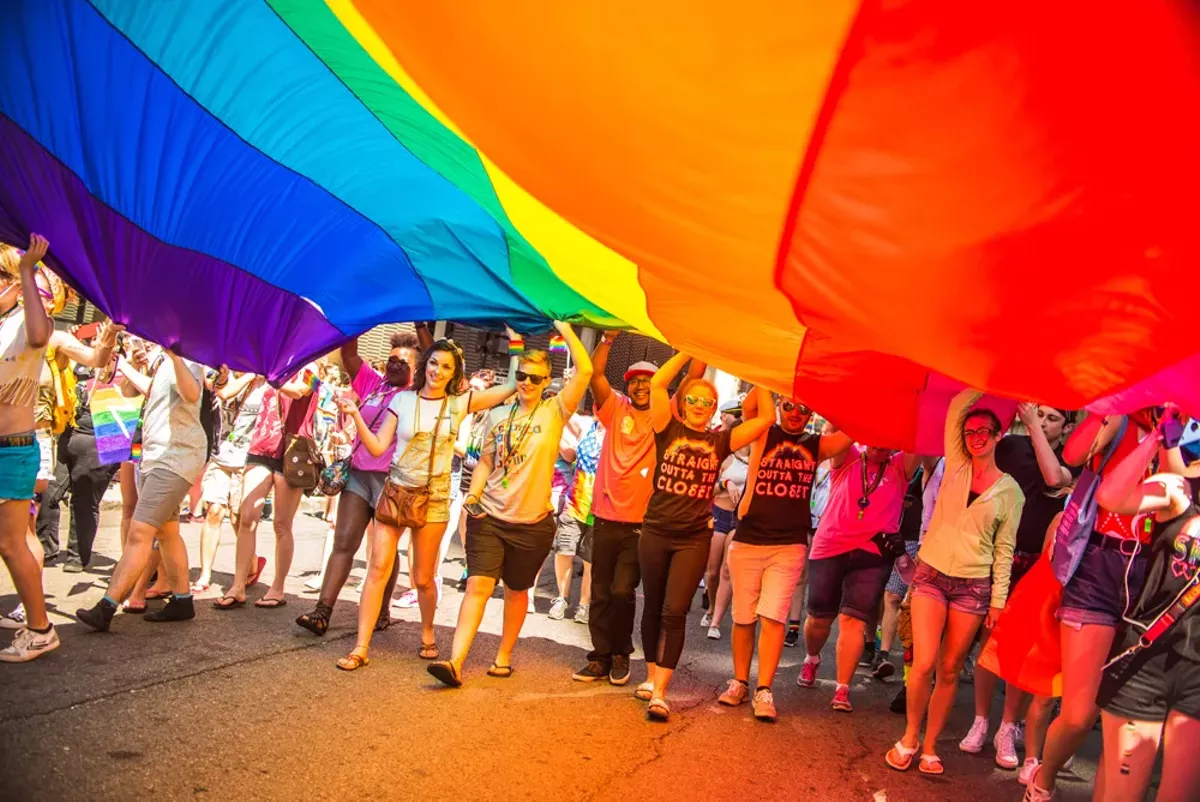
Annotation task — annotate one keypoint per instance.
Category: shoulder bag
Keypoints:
(407, 507)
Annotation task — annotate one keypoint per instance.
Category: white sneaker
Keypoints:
(1029, 770)
(735, 693)
(407, 600)
(314, 584)
(1034, 793)
(582, 612)
(764, 705)
(1070, 762)
(14, 620)
(532, 608)
(973, 743)
(706, 620)
(28, 645)
(714, 633)
(558, 609)
(1006, 746)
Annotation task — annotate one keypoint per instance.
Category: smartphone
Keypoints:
(1172, 431)
(1189, 444)
(475, 510)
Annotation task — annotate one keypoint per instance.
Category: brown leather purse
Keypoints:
(408, 507)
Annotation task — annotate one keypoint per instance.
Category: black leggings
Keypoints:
(672, 567)
(80, 473)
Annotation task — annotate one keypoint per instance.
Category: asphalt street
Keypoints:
(244, 704)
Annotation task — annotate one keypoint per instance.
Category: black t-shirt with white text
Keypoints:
(685, 475)
(1016, 457)
(779, 513)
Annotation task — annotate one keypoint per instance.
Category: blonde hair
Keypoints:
(538, 357)
(688, 385)
(10, 259)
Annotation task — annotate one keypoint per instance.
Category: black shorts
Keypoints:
(274, 463)
(511, 552)
(850, 583)
(1155, 682)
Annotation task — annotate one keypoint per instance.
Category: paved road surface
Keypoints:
(246, 705)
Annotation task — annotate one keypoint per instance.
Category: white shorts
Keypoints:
(223, 486)
(764, 579)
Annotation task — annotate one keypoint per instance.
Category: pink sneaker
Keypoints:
(808, 674)
(841, 700)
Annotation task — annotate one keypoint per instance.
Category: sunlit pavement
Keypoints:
(244, 704)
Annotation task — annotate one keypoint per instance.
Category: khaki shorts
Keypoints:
(764, 579)
(223, 486)
(160, 492)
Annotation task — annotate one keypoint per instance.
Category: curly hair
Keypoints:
(456, 384)
(404, 339)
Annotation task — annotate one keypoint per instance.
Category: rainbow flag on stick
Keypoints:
(115, 419)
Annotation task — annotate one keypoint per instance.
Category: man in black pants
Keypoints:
(623, 486)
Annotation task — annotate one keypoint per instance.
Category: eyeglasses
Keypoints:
(973, 433)
(642, 379)
(707, 403)
(789, 406)
(532, 378)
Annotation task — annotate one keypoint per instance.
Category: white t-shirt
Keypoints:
(172, 435)
(404, 407)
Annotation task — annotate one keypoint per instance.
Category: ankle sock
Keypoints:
(744, 682)
(107, 601)
(812, 658)
(182, 596)
(762, 688)
(840, 686)
(42, 631)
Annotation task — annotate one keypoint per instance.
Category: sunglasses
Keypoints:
(707, 403)
(973, 433)
(789, 406)
(532, 378)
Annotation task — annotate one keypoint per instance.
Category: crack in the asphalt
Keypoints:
(173, 678)
(658, 740)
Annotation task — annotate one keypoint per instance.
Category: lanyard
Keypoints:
(509, 448)
(865, 500)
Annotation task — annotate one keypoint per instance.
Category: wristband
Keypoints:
(558, 345)
(516, 345)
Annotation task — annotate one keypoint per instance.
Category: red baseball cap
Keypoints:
(641, 369)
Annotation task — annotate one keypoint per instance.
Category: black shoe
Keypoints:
(884, 667)
(792, 637)
(619, 674)
(176, 609)
(99, 617)
(72, 566)
(594, 670)
(899, 705)
(868, 655)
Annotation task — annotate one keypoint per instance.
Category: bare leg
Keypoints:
(1084, 652)
(770, 648)
(891, 612)
(470, 616)
(564, 566)
(816, 634)
(256, 484)
(956, 642)
(287, 502)
(516, 607)
(585, 587)
(662, 678)
(173, 552)
(22, 567)
(427, 546)
(724, 589)
(712, 575)
(134, 561)
(1181, 771)
(742, 643)
(1036, 723)
(378, 571)
(849, 646)
(210, 541)
(1130, 748)
(928, 623)
(129, 497)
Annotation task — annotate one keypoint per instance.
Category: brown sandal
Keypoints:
(353, 662)
(429, 651)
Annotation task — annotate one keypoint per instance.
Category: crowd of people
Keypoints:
(651, 485)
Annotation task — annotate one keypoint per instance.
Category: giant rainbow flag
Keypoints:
(867, 204)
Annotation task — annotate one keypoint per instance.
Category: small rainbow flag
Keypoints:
(558, 345)
(115, 419)
(516, 345)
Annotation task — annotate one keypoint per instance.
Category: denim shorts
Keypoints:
(972, 596)
(1096, 592)
(895, 584)
(724, 521)
(851, 584)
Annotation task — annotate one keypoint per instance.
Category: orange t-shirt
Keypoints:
(625, 473)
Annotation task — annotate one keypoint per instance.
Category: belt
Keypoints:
(1026, 555)
(1112, 543)
(16, 440)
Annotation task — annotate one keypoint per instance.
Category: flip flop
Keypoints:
(445, 672)
(234, 602)
(133, 609)
(644, 692)
(353, 662)
(429, 651)
(931, 764)
(501, 672)
(270, 604)
(157, 595)
(260, 564)
(900, 757)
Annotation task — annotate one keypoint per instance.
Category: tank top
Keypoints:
(20, 365)
(777, 513)
(1110, 523)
